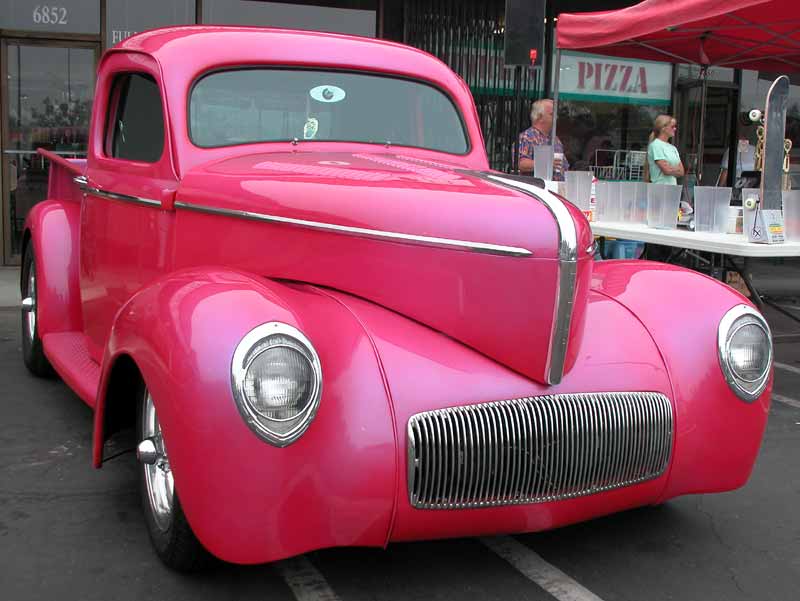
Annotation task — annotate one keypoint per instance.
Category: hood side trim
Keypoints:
(567, 268)
(403, 238)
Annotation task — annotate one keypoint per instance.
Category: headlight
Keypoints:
(745, 351)
(277, 382)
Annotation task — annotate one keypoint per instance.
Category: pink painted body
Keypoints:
(399, 328)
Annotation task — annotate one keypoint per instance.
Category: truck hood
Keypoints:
(458, 251)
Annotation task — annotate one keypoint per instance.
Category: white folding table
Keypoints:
(724, 245)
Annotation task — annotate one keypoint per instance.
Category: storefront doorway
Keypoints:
(47, 92)
(721, 104)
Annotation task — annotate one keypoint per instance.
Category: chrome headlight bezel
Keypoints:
(277, 432)
(736, 318)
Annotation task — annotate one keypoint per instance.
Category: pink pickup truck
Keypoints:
(286, 263)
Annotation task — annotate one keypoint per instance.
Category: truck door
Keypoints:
(127, 213)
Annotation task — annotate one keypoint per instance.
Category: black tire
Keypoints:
(174, 542)
(32, 351)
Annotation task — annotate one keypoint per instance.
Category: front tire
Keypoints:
(172, 537)
(32, 351)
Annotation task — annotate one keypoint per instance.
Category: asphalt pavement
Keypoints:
(70, 532)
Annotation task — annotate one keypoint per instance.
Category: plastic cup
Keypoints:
(663, 201)
(734, 220)
(633, 202)
(711, 209)
(579, 188)
(601, 201)
(613, 212)
(543, 162)
(639, 214)
(791, 215)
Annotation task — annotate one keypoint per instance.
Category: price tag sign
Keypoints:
(764, 226)
(63, 16)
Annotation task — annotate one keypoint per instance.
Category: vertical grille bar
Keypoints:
(519, 454)
(537, 449)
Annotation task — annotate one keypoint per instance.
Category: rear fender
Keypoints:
(52, 227)
(248, 501)
(717, 435)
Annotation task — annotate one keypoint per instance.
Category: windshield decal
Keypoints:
(327, 94)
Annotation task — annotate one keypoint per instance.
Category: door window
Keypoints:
(137, 129)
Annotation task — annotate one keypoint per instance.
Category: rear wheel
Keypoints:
(32, 351)
(170, 533)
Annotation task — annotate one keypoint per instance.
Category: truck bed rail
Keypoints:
(63, 171)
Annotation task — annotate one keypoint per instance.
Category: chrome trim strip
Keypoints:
(83, 182)
(747, 391)
(123, 197)
(567, 272)
(539, 449)
(481, 247)
(568, 236)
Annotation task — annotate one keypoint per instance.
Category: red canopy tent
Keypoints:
(743, 34)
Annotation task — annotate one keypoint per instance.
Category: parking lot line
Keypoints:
(533, 567)
(307, 583)
(786, 400)
(785, 367)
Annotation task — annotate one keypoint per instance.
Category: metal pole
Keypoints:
(701, 144)
(733, 141)
(555, 100)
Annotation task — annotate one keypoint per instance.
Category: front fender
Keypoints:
(53, 227)
(248, 501)
(717, 435)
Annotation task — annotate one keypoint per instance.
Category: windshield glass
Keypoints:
(267, 105)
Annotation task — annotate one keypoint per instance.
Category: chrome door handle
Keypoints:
(82, 181)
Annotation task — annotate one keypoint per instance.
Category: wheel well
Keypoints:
(124, 386)
(26, 237)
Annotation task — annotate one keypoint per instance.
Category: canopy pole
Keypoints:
(555, 100)
(701, 144)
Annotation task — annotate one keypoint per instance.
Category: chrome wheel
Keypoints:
(152, 454)
(29, 305)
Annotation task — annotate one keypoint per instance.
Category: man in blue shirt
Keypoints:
(538, 134)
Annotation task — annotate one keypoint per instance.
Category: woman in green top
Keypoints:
(663, 161)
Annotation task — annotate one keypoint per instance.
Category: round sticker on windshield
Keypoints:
(327, 94)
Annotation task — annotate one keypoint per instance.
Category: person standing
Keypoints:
(663, 161)
(538, 134)
(745, 159)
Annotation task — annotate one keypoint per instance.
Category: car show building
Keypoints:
(49, 53)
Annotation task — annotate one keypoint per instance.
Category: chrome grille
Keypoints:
(536, 449)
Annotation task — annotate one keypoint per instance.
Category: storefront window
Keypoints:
(606, 110)
(359, 20)
(597, 134)
(48, 106)
(124, 18)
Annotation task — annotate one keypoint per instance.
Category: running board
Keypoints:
(68, 353)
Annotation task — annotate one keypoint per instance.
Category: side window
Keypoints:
(135, 130)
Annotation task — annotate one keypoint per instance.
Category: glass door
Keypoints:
(46, 103)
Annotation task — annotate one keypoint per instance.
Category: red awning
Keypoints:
(745, 34)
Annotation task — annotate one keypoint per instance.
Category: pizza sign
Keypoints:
(599, 78)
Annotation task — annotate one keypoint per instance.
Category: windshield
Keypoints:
(268, 105)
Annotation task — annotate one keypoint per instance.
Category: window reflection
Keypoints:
(49, 101)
